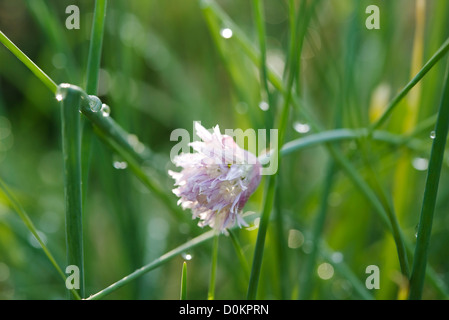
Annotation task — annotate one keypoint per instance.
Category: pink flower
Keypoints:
(216, 181)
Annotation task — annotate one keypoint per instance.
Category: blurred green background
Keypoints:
(162, 68)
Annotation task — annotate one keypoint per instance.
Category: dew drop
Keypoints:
(337, 257)
(138, 146)
(120, 165)
(307, 247)
(34, 242)
(420, 164)
(295, 239)
(226, 33)
(325, 271)
(264, 106)
(187, 256)
(105, 110)
(433, 135)
(94, 103)
(301, 127)
(61, 92)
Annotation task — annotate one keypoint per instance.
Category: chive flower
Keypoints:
(216, 180)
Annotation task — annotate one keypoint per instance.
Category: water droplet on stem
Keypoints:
(301, 127)
(94, 103)
(105, 110)
(226, 33)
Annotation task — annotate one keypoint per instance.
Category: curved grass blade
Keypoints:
(441, 52)
(15, 205)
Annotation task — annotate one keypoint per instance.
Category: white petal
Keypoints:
(202, 132)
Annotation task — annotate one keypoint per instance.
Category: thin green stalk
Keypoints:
(260, 242)
(239, 251)
(153, 265)
(398, 98)
(184, 282)
(46, 80)
(70, 100)
(260, 24)
(213, 269)
(308, 272)
(281, 241)
(92, 73)
(15, 205)
(95, 48)
(430, 195)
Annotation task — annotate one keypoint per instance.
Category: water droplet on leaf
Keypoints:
(264, 106)
(226, 33)
(105, 110)
(301, 127)
(94, 103)
(61, 92)
(420, 164)
(187, 256)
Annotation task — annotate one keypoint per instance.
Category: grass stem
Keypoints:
(70, 99)
(430, 196)
(46, 80)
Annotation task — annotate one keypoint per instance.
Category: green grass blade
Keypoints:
(153, 265)
(258, 9)
(46, 80)
(213, 269)
(95, 48)
(430, 195)
(239, 251)
(70, 100)
(260, 242)
(308, 272)
(15, 205)
(183, 295)
(441, 52)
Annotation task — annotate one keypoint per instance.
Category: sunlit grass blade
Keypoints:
(213, 269)
(46, 80)
(430, 195)
(418, 77)
(153, 265)
(70, 100)
(183, 295)
(15, 205)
